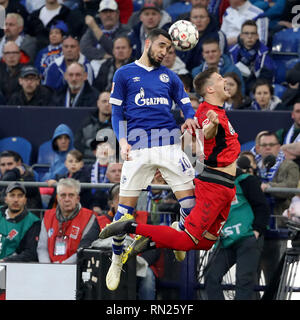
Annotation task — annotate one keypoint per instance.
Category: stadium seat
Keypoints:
(17, 144)
(45, 153)
(278, 90)
(44, 159)
(247, 146)
(283, 62)
(285, 51)
(286, 40)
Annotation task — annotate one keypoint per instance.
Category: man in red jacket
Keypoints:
(214, 187)
(64, 226)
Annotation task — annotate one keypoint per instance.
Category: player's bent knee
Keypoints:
(184, 187)
(129, 193)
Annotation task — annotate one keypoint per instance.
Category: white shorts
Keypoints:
(171, 161)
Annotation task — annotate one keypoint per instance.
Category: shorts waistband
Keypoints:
(216, 176)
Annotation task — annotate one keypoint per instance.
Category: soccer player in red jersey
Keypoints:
(214, 187)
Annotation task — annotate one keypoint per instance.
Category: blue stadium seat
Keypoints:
(286, 40)
(285, 51)
(45, 153)
(278, 90)
(17, 144)
(44, 159)
(283, 62)
(247, 146)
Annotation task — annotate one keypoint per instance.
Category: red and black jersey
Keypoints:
(224, 148)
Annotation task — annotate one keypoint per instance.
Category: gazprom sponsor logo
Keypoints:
(140, 99)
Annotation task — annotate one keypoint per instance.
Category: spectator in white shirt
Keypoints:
(236, 14)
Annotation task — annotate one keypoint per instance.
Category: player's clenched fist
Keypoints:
(212, 116)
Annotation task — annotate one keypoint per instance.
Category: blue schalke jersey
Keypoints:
(143, 97)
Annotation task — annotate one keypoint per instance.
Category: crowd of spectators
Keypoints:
(236, 36)
(63, 53)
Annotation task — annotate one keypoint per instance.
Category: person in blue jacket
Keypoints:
(54, 50)
(272, 9)
(214, 58)
(54, 74)
(207, 26)
(62, 143)
(251, 56)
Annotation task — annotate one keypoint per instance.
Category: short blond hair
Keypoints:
(69, 183)
(18, 17)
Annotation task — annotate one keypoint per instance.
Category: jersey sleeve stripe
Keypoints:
(115, 101)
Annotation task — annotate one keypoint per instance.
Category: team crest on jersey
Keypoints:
(123, 179)
(164, 78)
(205, 122)
(136, 79)
(230, 127)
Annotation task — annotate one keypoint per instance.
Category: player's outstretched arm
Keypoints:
(211, 129)
(190, 125)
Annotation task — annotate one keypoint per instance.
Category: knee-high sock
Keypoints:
(118, 241)
(166, 237)
(186, 206)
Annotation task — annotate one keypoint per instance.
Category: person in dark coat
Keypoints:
(39, 29)
(207, 27)
(31, 93)
(105, 69)
(150, 18)
(14, 6)
(78, 92)
(10, 69)
(13, 169)
(94, 121)
(78, 171)
(97, 41)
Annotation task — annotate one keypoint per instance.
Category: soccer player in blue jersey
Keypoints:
(142, 96)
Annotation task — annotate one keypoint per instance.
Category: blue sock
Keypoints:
(118, 241)
(186, 204)
(122, 209)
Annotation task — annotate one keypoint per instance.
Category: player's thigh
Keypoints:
(176, 168)
(137, 173)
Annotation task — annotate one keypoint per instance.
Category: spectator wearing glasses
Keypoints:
(64, 227)
(251, 56)
(275, 171)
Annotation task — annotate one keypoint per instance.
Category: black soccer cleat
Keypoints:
(117, 227)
